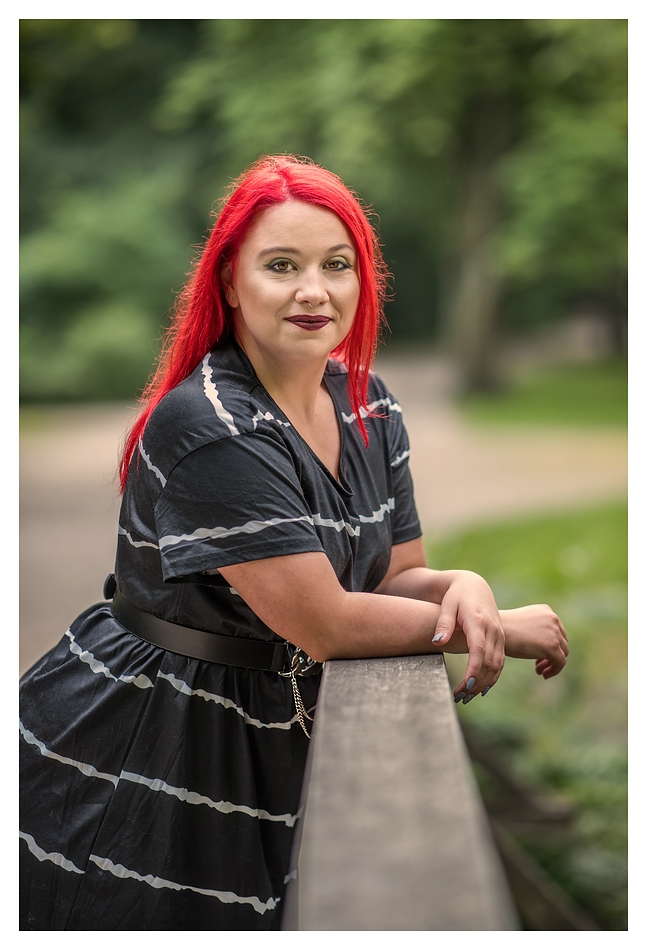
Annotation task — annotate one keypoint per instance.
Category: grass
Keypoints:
(577, 394)
(567, 734)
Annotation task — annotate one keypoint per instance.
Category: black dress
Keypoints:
(160, 792)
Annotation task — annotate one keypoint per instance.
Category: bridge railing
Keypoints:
(393, 834)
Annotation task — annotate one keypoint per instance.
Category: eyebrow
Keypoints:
(294, 250)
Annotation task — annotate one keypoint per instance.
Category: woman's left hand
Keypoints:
(468, 605)
(536, 633)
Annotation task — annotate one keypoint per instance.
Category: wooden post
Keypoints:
(394, 835)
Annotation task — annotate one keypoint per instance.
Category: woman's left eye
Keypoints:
(338, 263)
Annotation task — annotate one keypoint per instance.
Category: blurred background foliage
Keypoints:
(494, 152)
(567, 735)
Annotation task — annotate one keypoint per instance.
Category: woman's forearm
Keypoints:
(383, 625)
(420, 583)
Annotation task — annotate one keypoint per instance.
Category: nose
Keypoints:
(312, 290)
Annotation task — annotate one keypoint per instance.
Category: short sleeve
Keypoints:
(233, 500)
(406, 524)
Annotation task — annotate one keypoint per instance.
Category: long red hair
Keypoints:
(202, 317)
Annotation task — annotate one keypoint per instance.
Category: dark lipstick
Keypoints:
(309, 321)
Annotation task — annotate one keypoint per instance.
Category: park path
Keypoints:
(463, 475)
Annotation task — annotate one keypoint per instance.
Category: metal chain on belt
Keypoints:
(302, 665)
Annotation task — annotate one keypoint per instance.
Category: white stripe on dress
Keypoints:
(195, 798)
(213, 396)
(400, 458)
(154, 469)
(378, 515)
(337, 525)
(136, 544)
(157, 785)
(118, 870)
(364, 412)
(250, 527)
(83, 767)
(52, 856)
(184, 688)
(142, 681)
(268, 417)
(226, 897)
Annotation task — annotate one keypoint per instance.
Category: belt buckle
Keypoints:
(302, 665)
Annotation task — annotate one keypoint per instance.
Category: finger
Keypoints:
(473, 672)
(492, 682)
(556, 665)
(486, 659)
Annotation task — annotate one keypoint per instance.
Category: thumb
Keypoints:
(447, 622)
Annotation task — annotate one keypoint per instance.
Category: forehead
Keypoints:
(298, 225)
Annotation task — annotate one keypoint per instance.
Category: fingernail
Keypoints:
(468, 698)
(438, 637)
(459, 696)
(486, 690)
(470, 682)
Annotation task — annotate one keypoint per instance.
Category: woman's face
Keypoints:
(295, 286)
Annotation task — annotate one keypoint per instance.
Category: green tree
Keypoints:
(494, 151)
(107, 211)
(454, 129)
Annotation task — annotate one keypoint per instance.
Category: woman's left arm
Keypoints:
(467, 603)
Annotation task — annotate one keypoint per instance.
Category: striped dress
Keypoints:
(161, 792)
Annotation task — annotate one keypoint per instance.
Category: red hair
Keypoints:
(202, 317)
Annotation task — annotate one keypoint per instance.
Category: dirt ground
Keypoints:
(463, 475)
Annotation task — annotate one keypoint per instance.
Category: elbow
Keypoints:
(319, 625)
(321, 638)
(319, 648)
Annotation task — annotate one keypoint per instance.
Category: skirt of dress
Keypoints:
(158, 792)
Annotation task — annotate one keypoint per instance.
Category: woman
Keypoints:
(267, 525)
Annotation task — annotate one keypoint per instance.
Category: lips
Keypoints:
(309, 321)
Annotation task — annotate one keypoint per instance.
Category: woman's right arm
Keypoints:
(300, 598)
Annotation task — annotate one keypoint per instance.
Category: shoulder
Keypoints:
(222, 399)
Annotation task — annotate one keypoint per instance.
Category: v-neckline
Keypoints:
(340, 483)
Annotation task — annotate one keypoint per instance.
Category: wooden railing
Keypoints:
(393, 835)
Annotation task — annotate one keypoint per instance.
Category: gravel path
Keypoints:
(463, 476)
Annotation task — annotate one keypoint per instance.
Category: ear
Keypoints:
(226, 278)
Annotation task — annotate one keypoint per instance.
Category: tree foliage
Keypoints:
(494, 152)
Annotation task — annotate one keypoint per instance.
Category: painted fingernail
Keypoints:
(438, 637)
(486, 690)
(468, 698)
(470, 682)
(459, 696)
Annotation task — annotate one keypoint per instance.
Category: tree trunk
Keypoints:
(473, 302)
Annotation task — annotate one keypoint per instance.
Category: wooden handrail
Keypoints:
(393, 834)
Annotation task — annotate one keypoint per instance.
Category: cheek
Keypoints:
(353, 298)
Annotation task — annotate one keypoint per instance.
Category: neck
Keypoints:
(294, 385)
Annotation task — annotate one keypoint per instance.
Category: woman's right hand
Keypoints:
(536, 633)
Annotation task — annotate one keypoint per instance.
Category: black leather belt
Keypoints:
(199, 644)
